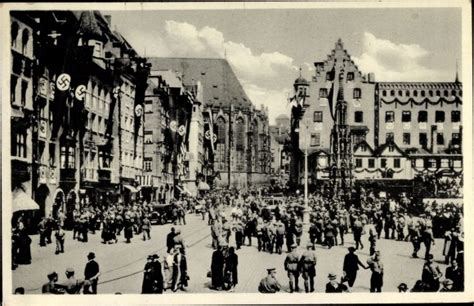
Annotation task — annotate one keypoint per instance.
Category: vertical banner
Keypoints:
(141, 78)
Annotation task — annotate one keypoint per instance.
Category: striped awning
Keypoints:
(131, 188)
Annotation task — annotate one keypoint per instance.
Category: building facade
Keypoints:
(237, 150)
(395, 130)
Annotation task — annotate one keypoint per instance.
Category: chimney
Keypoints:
(109, 19)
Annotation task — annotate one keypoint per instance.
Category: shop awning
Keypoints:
(203, 186)
(131, 188)
(21, 201)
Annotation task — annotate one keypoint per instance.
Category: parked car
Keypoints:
(161, 214)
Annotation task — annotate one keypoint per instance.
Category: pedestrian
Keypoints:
(333, 286)
(372, 241)
(308, 267)
(60, 237)
(230, 269)
(428, 240)
(42, 232)
(91, 274)
(170, 239)
(128, 230)
(376, 266)
(456, 274)
(71, 285)
(147, 285)
(269, 284)
(351, 266)
(431, 274)
(292, 267)
(217, 268)
(416, 241)
(179, 241)
(357, 231)
(402, 287)
(50, 287)
(146, 226)
(329, 235)
(180, 270)
(157, 275)
(279, 236)
(168, 269)
(239, 234)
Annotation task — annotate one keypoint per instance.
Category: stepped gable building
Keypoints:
(396, 130)
(230, 121)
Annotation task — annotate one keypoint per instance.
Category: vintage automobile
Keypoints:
(161, 213)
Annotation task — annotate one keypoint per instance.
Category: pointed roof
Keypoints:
(220, 85)
(89, 26)
(301, 81)
(379, 150)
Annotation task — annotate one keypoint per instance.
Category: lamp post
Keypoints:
(306, 206)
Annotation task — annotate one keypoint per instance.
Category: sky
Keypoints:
(267, 47)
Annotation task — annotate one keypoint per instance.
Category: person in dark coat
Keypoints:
(308, 267)
(351, 266)
(157, 275)
(333, 286)
(170, 239)
(24, 248)
(292, 266)
(128, 230)
(230, 269)
(376, 266)
(147, 285)
(91, 274)
(217, 269)
(50, 286)
(456, 274)
(180, 270)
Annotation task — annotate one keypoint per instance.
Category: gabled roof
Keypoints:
(379, 150)
(363, 143)
(220, 85)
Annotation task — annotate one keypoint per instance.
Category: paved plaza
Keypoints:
(121, 264)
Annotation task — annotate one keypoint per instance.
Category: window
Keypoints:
(363, 148)
(240, 136)
(445, 163)
(456, 139)
(389, 137)
(407, 93)
(391, 148)
(24, 89)
(422, 116)
(438, 93)
(315, 140)
(14, 33)
(328, 76)
(25, 37)
(384, 93)
(350, 76)
(148, 137)
(359, 116)
(371, 163)
(68, 157)
(431, 163)
(446, 93)
(396, 163)
(392, 93)
(357, 93)
(383, 163)
(147, 166)
(148, 106)
(406, 138)
(323, 93)
(430, 93)
(13, 83)
(406, 116)
(389, 116)
(422, 93)
(439, 139)
(439, 116)
(71, 158)
(318, 116)
(97, 48)
(18, 144)
(455, 116)
(415, 93)
(221, 130)
(358, 162)
(400, 93)
(423, 139)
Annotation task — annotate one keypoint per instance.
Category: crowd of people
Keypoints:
(277, 225)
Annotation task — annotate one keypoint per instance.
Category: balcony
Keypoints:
(104, 175)
(68, 175)
(89, 175)
(20, 170)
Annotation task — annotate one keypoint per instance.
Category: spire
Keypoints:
(300, 72)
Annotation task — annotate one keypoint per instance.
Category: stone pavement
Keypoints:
(121, 263)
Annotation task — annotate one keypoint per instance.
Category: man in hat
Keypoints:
(280, 236)
(292, 267)
(269, 284)
(178, 240)
(333, 286)
(456, 274)
(147, 286)
(71, 285)
(376, 266)
(157, 275)
(308, 267)
(431, 274)
(402, 287)
(170, 239)
(50, 286)
(428, 240)
(351, 266)
(217, 268)
(91, 273)
(180, 269)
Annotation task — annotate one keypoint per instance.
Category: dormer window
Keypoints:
(350, 76)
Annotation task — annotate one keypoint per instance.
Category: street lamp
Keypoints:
(306, 206)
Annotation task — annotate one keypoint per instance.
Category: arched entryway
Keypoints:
(41, 194)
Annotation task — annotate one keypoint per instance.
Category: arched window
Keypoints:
(446, 93)
(221, 131)
(14, 32)
(415, 93)
(240, 144)
(453, 92)
(400, 93)
(392, 93)
(422, 93)
(384, 93)
(407, 93)
(438, 93)
(430, 93)
(25, 37)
